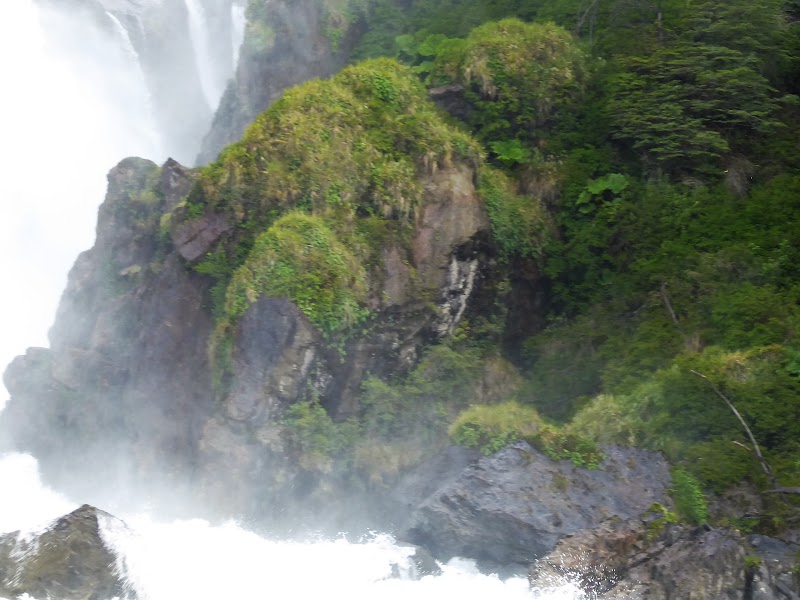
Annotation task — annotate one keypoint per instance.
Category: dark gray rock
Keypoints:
(701, 564)
(123, 392)
(650, 559)
(193, 239)
(69, 561)
(776, 576)
(514, 506)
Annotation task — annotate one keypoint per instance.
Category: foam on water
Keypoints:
(195, 560)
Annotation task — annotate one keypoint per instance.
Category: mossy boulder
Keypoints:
(69, 560)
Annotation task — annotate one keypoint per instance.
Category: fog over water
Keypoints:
(75, 102)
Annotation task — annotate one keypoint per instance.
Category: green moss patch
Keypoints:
(300, 258)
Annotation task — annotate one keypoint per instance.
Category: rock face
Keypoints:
(776, 576)
(124, 390)
(68, 561)
(127, 391)
(651, 559)
(514, 506)
(288, 43)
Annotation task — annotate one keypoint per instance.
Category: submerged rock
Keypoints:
(69, 561)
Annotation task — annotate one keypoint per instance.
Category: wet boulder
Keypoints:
(69, 560)
(514, 506)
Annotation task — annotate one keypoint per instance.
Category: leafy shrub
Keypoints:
(520, 73)
(492, 427)
(606, 420)
(520, 224)
(690, 501)
(314, 437)
(561, 444)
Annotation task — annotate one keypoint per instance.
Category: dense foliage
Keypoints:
(673, 178)
(643, 156)
(348, 152)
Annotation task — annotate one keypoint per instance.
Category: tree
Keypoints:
(688, 105)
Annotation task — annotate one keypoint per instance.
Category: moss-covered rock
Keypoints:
(299, 257)
(520, 73)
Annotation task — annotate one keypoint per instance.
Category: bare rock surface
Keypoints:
(515, 505)
(650, 558)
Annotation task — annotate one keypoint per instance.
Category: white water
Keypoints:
(73, 104)
(198, 28)
(239, 21)
(194, 560)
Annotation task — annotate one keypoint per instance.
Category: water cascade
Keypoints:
(238, 21)
(198, 27)
(74, 103)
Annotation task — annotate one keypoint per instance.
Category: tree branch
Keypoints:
(668, 305)
(756, 448)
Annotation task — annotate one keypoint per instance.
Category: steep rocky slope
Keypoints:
(152, 380)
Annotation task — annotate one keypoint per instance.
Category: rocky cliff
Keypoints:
(69, 559)
(154, 378)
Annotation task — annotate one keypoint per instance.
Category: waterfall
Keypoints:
(199, 30)
(238, 21)
(136, 67)
(73, 104)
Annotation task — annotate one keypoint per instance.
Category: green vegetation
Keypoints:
(690, 502)
(399, 423)
(518, 75)
(349, 152)
(314, 438)
(492, 427)
(641, 160)
(519, 223)
(661, 518)
(659, 144)
(299, 258)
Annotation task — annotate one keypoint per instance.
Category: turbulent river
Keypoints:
(75, 102)
(194, 560)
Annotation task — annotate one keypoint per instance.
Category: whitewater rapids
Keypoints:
(194, 560)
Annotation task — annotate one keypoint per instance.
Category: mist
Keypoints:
(74, 103)
(84, 88)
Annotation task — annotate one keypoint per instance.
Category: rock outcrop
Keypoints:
(514, 506)
(127, 391)
(653, 558)
(69, 561)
